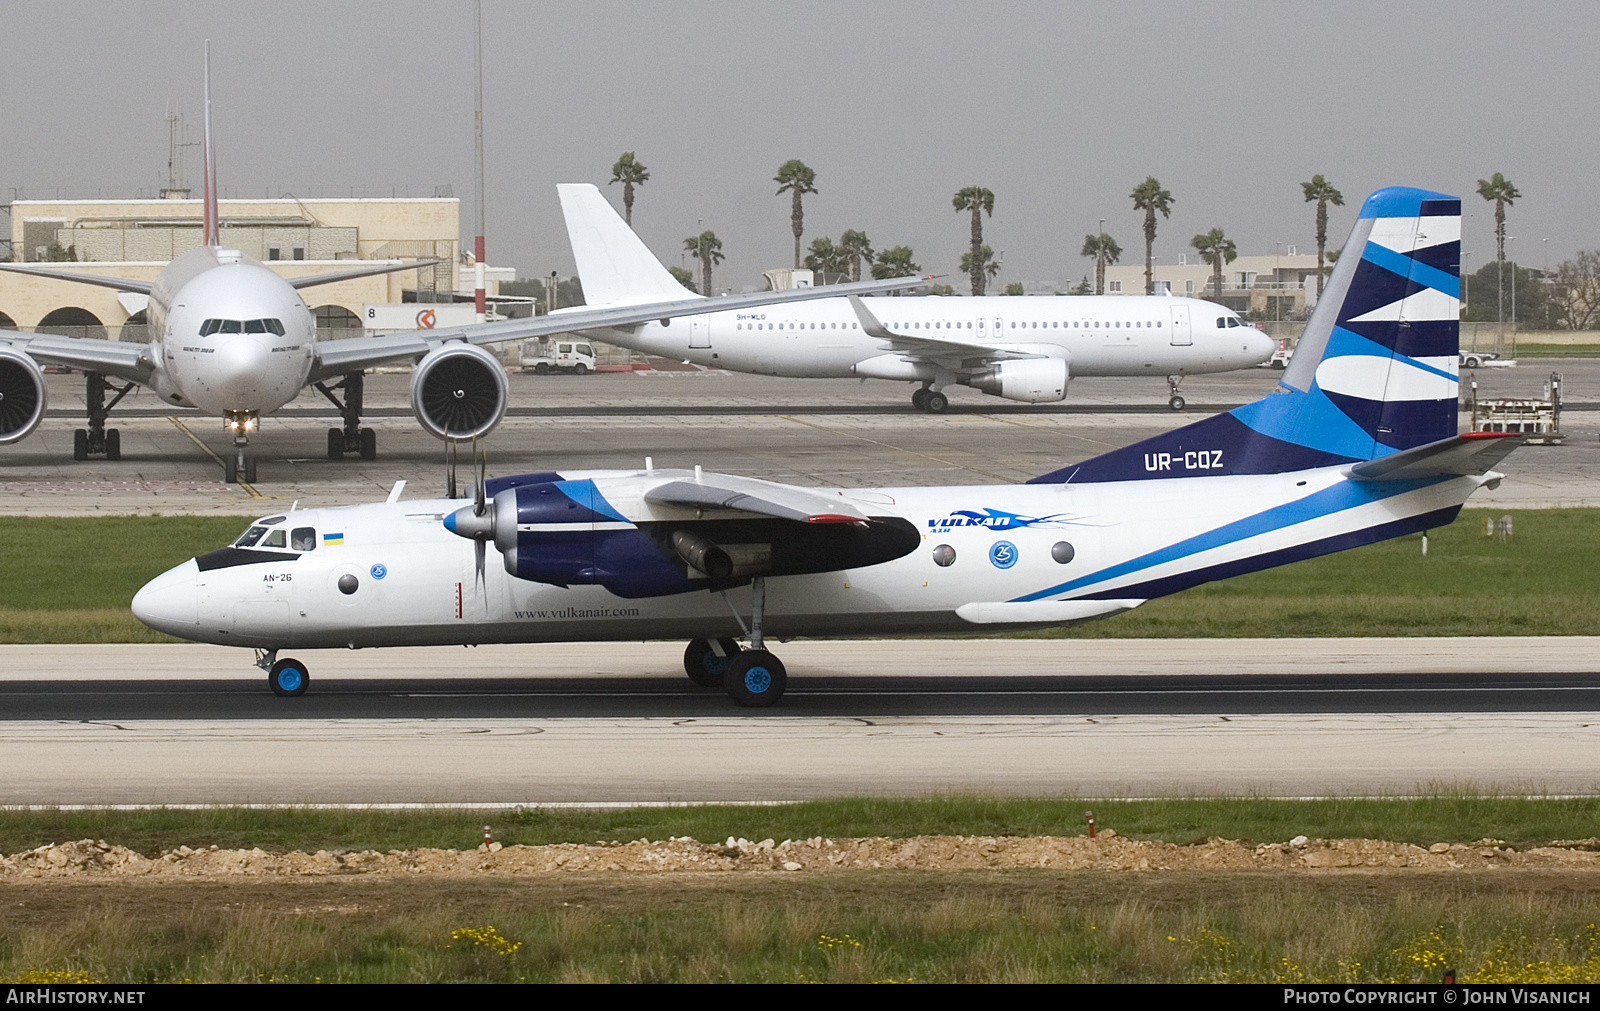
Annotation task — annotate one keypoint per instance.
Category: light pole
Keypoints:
(1546, 280)
(1100, 259)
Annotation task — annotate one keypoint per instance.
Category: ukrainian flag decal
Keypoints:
(333, 538)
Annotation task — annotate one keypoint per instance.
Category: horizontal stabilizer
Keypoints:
(1042, 612)
(1472, 453)
(766, 498)
(119, 283)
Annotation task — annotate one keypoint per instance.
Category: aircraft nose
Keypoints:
(1259, 347)
(240, 366)
(170, 602)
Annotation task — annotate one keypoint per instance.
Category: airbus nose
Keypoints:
(1256, 346)
(170, 602)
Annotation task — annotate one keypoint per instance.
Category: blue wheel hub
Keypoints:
(757, 680)
(716, 665)
(290, 678)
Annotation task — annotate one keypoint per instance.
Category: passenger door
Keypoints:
(1182, 334)
(699, 331)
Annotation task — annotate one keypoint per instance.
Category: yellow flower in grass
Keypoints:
(486, 937)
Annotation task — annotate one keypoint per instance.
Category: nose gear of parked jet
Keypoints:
(1177, 402)
(241, 466)
(352, 438)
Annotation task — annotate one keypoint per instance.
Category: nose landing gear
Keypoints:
(241, 466)
(1177, 402)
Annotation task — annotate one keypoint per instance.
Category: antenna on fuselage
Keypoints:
(209, 165)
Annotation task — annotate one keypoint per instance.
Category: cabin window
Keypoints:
(303, 539)
(944, 556)
(563, 349)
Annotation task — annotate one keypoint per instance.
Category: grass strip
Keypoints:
(1423, 820)
(1539, 581)
(1019, 926)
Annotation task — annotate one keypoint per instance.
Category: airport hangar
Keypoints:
(135, 238)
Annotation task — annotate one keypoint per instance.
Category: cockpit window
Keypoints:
(231, 326)
(1233, 321)
(249, 537)
(275, 539)
(211, 326)
(303, 539)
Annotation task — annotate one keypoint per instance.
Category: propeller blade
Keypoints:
(479, 549)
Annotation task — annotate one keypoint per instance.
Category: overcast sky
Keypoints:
(1059, 108)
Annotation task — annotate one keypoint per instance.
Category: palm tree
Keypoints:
(683, 277)
(858, 248)
(1499, 189)
(895, 262)
(1103, 249)
(629, 173)
(1149, 197)
(1322, 191)
(706, 248)
(981, 265)
(1215, 249)
(827, 258)
(794, 176)
(979, 201)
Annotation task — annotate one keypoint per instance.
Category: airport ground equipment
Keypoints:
(1538, 420)
(1358, 444)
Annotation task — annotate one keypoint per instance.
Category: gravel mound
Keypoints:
(88, 858)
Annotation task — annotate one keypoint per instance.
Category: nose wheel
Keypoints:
(1175, 402)
(288, 677)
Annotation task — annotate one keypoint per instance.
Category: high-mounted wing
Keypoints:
(958, 356)
(347, 275)
(119, 283)
(751, 495)
(350, 353)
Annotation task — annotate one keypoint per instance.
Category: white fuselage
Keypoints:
(415, 581)
(229, 336)
(1105, 335)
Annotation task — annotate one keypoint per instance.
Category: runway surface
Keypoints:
(607, 723)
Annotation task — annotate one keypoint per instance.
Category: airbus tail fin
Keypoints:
(1374, 372)
(209, 166)
(614, 265)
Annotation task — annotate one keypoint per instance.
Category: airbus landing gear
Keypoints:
(706, 661)
(97, 439)
(932, 401)
(352, 438)
(1177, 402)
(286, 677)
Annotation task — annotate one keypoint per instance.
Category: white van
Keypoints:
(542, 355)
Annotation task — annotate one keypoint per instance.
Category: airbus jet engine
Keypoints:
(459, 392)
(1030, 380)
(22, 395)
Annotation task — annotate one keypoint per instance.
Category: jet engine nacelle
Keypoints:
(459, 392)
(22, 395)
(1030, 380)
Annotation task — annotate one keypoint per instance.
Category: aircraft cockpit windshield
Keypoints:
(1224, 322)
(211, 326)
(272, 532)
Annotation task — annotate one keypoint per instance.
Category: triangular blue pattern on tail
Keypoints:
(1373, 373)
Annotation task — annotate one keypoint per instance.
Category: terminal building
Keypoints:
(1275, 286)
(136, 238)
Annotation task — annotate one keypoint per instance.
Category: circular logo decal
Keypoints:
(1003, 554)
(380, 570)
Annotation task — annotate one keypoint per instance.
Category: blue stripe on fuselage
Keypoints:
(1342, 496)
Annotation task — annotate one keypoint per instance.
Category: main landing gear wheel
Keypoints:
(919, 398)
(1176, 403)
(288, 677)
(936, 403)
(336, 444)
(704, 667)
(80, 444)
(756, 679)
(369, 444)
(113, 444)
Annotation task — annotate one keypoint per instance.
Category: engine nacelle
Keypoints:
(22, 395)
(459, 392)
(1030, 380)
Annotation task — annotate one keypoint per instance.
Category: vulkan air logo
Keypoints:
(997, 519)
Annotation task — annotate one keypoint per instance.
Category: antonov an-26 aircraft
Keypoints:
(235, 340)
(1023, 349)
(1357, 445)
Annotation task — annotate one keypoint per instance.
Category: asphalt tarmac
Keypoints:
(598, 723)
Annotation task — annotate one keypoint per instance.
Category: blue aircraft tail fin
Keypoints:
(1373, 374)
